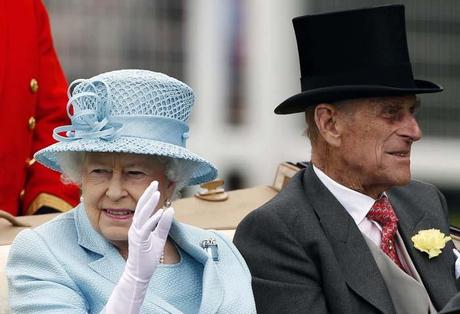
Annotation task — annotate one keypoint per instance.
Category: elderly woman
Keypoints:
(120, 251)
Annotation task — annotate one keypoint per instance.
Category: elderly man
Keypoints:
(338, 237)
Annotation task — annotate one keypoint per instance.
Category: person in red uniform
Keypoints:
(32, 103)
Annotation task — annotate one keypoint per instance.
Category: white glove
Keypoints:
(146, 241)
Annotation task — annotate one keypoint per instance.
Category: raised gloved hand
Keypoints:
(146, 246)
(146, 240)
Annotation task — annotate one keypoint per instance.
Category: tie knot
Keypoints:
(383, 212)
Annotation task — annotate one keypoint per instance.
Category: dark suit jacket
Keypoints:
(307, 255)
(453, 307)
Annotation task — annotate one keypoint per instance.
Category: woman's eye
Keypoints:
(100, 171)
(136, 173)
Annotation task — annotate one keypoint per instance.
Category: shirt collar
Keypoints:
(355, 203)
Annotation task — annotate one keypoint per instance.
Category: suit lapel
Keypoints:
(436, 276)
(354, 257)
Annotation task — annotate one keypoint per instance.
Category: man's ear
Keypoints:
(326, 116)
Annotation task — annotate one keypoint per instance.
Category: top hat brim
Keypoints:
(300, 102)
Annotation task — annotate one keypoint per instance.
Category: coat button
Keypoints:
(30, 161)
(33, 85)
(31, 123)
(21, 195)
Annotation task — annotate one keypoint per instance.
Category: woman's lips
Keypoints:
(119, 214)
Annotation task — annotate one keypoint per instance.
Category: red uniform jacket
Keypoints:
(32, 103)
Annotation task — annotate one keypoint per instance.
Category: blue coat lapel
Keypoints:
(190, 241)
(107, 260)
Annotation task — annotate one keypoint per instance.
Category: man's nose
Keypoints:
(116, 189)
(411, 128)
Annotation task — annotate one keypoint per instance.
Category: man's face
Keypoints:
(375, 146)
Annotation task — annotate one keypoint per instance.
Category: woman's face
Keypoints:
(112, 183)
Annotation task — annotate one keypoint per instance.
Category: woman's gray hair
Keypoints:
(176, 170)
(71, 164)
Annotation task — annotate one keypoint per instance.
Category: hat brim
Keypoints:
(203, 170)
(301, 101)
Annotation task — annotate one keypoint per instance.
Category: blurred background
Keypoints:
(240, 57)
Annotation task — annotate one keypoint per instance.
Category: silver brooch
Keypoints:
(210, 246)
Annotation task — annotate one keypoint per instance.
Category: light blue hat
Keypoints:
(129, 111)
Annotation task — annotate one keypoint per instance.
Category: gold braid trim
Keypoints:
(45, 199)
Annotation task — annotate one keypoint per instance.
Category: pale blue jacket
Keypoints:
(65, 266)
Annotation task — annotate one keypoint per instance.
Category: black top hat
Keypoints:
(353, 54)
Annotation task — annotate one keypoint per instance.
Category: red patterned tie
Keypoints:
(383, 213)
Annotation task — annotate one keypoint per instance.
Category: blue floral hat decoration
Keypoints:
(129, 111)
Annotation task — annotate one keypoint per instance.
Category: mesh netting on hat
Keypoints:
(130, 106)
(136, 92)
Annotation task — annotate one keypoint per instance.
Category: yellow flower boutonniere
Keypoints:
(430, 241)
